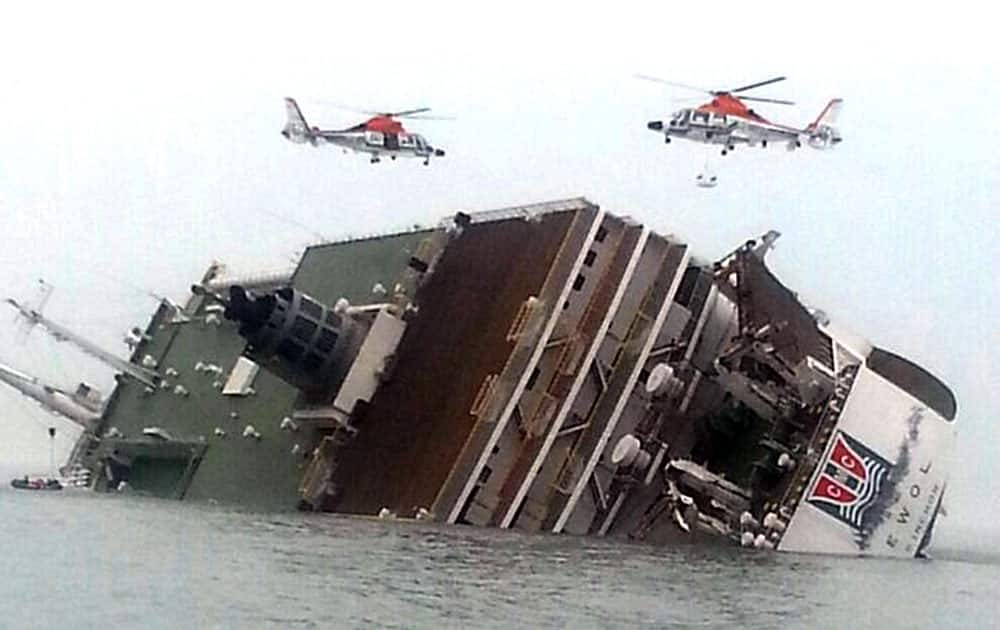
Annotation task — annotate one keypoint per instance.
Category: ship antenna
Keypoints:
(290, 221)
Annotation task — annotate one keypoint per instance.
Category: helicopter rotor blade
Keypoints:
(348, 108)
(757, 85)
(406, 112)
(420, 117)
(760, 99)
(646, 77)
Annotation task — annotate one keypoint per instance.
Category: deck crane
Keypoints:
(82, 407)
(61, 333)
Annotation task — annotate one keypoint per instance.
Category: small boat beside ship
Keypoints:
(36, 483)
(50, 482)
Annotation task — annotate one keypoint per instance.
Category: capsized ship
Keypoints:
(550, 367)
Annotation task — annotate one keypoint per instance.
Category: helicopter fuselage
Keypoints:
(378, 144)
(727, 122)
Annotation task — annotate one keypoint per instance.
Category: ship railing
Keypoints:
(819, 440)
(528, 211)
(484, 395)
(256, 280)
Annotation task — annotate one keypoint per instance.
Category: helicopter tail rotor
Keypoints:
(823, 132)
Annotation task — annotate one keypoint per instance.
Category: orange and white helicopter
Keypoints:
(727, 121)
(381, 135)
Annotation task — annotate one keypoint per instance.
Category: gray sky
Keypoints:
(139, 146)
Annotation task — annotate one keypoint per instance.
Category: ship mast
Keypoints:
(61, 333)
(50, 397)
(52, 452)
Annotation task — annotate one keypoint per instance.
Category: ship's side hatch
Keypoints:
(153, 465)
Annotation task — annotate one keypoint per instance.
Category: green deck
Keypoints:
(350, 269)
(260, 474)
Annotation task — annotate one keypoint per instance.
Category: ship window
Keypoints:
(601, 234)
(312, 362)
(618, 355)
(310, 308)
(418, 265)
(290, 350)
(578, 283)
(241, 377)
(327, 339)
(534, 377)
(686, 289)
(485, 474)
(303, 329)
(590, 258)
(914, 380)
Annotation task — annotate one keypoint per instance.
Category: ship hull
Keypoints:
(548, 368)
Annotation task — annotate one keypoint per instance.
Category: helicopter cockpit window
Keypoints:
(407, 140)
(374, 138)
(681, 117)
(700, 118)
(420, 142)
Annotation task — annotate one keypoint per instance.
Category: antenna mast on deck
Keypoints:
(52, 452)
(61, 333)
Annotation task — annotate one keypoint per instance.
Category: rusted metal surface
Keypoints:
(419, 420)
(530, 341)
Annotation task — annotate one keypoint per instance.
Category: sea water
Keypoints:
(77, 559)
